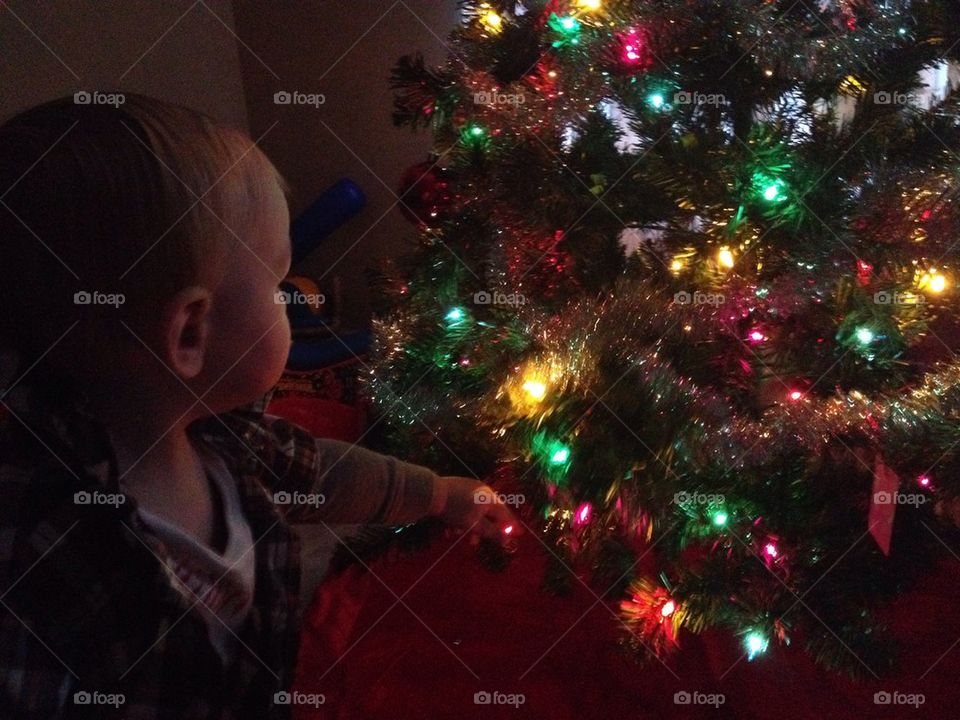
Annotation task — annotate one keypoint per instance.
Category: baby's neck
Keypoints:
(166, 477)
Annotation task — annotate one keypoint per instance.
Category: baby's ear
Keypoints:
(186, 329)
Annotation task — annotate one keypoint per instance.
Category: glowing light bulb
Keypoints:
(560, 456)
(455, 315)
(676, 266)
(668, 608)
(770, 550)
(583, 514)
(569, 23)
(492, 21)
(720, 518)
(589, 5)
(508, 529)
(865, 336)
(535, 389)
(756, 337)
(756, 643)
(938, 283)
(656, 101)
(795, 395)
(924, 481)
(771, 193)
(725, 258)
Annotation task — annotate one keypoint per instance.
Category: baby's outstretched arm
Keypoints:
(319, 480)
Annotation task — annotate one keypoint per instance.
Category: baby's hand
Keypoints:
(473, 506)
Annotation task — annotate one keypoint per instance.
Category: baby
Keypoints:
(147, 565)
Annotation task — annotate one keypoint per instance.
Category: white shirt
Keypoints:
(223, 583)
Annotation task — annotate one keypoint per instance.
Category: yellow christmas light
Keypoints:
(589, 5)
(491, 21)
(851, 85)
(725, 258)
(933, 281)
(535, 389)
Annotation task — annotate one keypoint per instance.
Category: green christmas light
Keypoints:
(865, 336)
(455, 316)
(770, 189)
(553, 453)
(755, 643)
(474, 135)
(567, 27)
(720, 518)
(656, 101)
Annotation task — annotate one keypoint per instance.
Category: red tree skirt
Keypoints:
(459, 629)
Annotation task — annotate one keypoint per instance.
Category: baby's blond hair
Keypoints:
(138, 199)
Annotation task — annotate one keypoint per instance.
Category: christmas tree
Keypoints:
(685, 279)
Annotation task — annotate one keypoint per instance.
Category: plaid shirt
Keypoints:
(93, 624)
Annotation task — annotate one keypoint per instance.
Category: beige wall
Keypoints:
(228, 58)
(178, 50)
(345, 50)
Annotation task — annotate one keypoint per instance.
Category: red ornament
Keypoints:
(425, 194)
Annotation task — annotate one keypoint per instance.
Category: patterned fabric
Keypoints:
(222, 579)
(92, 624)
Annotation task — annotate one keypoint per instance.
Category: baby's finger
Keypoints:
(501, 516)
